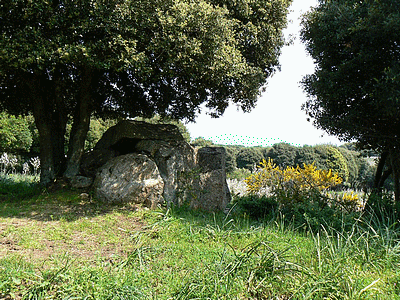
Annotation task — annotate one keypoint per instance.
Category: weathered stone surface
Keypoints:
(126, 134)
(93, 160)
(172, 159)
(187, 175)
(80, 182)
(130, 178)
(213, 189)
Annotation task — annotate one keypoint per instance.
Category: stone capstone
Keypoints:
(131, 151)
(130, 178)
(124, 136)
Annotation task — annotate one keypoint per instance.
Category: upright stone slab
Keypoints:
(213, 189)
(172, 159)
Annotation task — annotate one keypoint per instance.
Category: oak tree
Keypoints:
(354, 92)
(66, 60)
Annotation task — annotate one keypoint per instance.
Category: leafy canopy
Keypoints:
(153, 57)
(355, 89)
(15, 135)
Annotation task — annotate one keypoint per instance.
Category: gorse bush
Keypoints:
(290, 184)
(301, 194)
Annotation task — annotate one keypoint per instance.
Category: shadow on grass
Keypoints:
(65, 204)
(25, 199)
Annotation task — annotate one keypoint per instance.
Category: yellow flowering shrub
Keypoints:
(351, 201)
(290, 184)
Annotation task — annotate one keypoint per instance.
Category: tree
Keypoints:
(354, 92)
(74, 59)
(331, 158)
(15, 135)
(200, 142)
(249, 158)
(230, 161)
(352, 161)
(283, 154)
(306, 155)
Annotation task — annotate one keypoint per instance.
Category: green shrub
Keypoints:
(283, 154)
(16, 186)
(14, 133)
(238, 174)
(249, 157)
(255, 206)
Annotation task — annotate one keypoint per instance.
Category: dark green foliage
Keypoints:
(283, 154)
(304, 215)
(313, 215)
(331, 158)
(354, 91)
(249, 157)
(68, 60)
(230, 161)
(258, 207)
(306, 155)
(265, 151)
(355, 87)
(15, 135)
(200, 142)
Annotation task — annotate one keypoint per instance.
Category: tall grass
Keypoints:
(121, 253)
(16, 185)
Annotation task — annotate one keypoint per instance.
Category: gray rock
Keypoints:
(126, 134)
(213, 189)
(130, 178)
(187, 175)
(80, 182)
(172, 159)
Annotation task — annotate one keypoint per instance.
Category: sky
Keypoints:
(277, 116)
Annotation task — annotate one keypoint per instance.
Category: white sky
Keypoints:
(278, 116)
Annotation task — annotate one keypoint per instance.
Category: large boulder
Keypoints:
(172, 159)
(130, 178)
(188, 177)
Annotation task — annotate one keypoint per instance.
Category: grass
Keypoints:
(65, 245)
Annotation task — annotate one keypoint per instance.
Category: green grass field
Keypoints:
(64, 245)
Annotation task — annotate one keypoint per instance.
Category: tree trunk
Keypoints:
(43, 123)
(395, 162)
(60, 119)
(80, 126)
(379, 171)
(50, 116)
